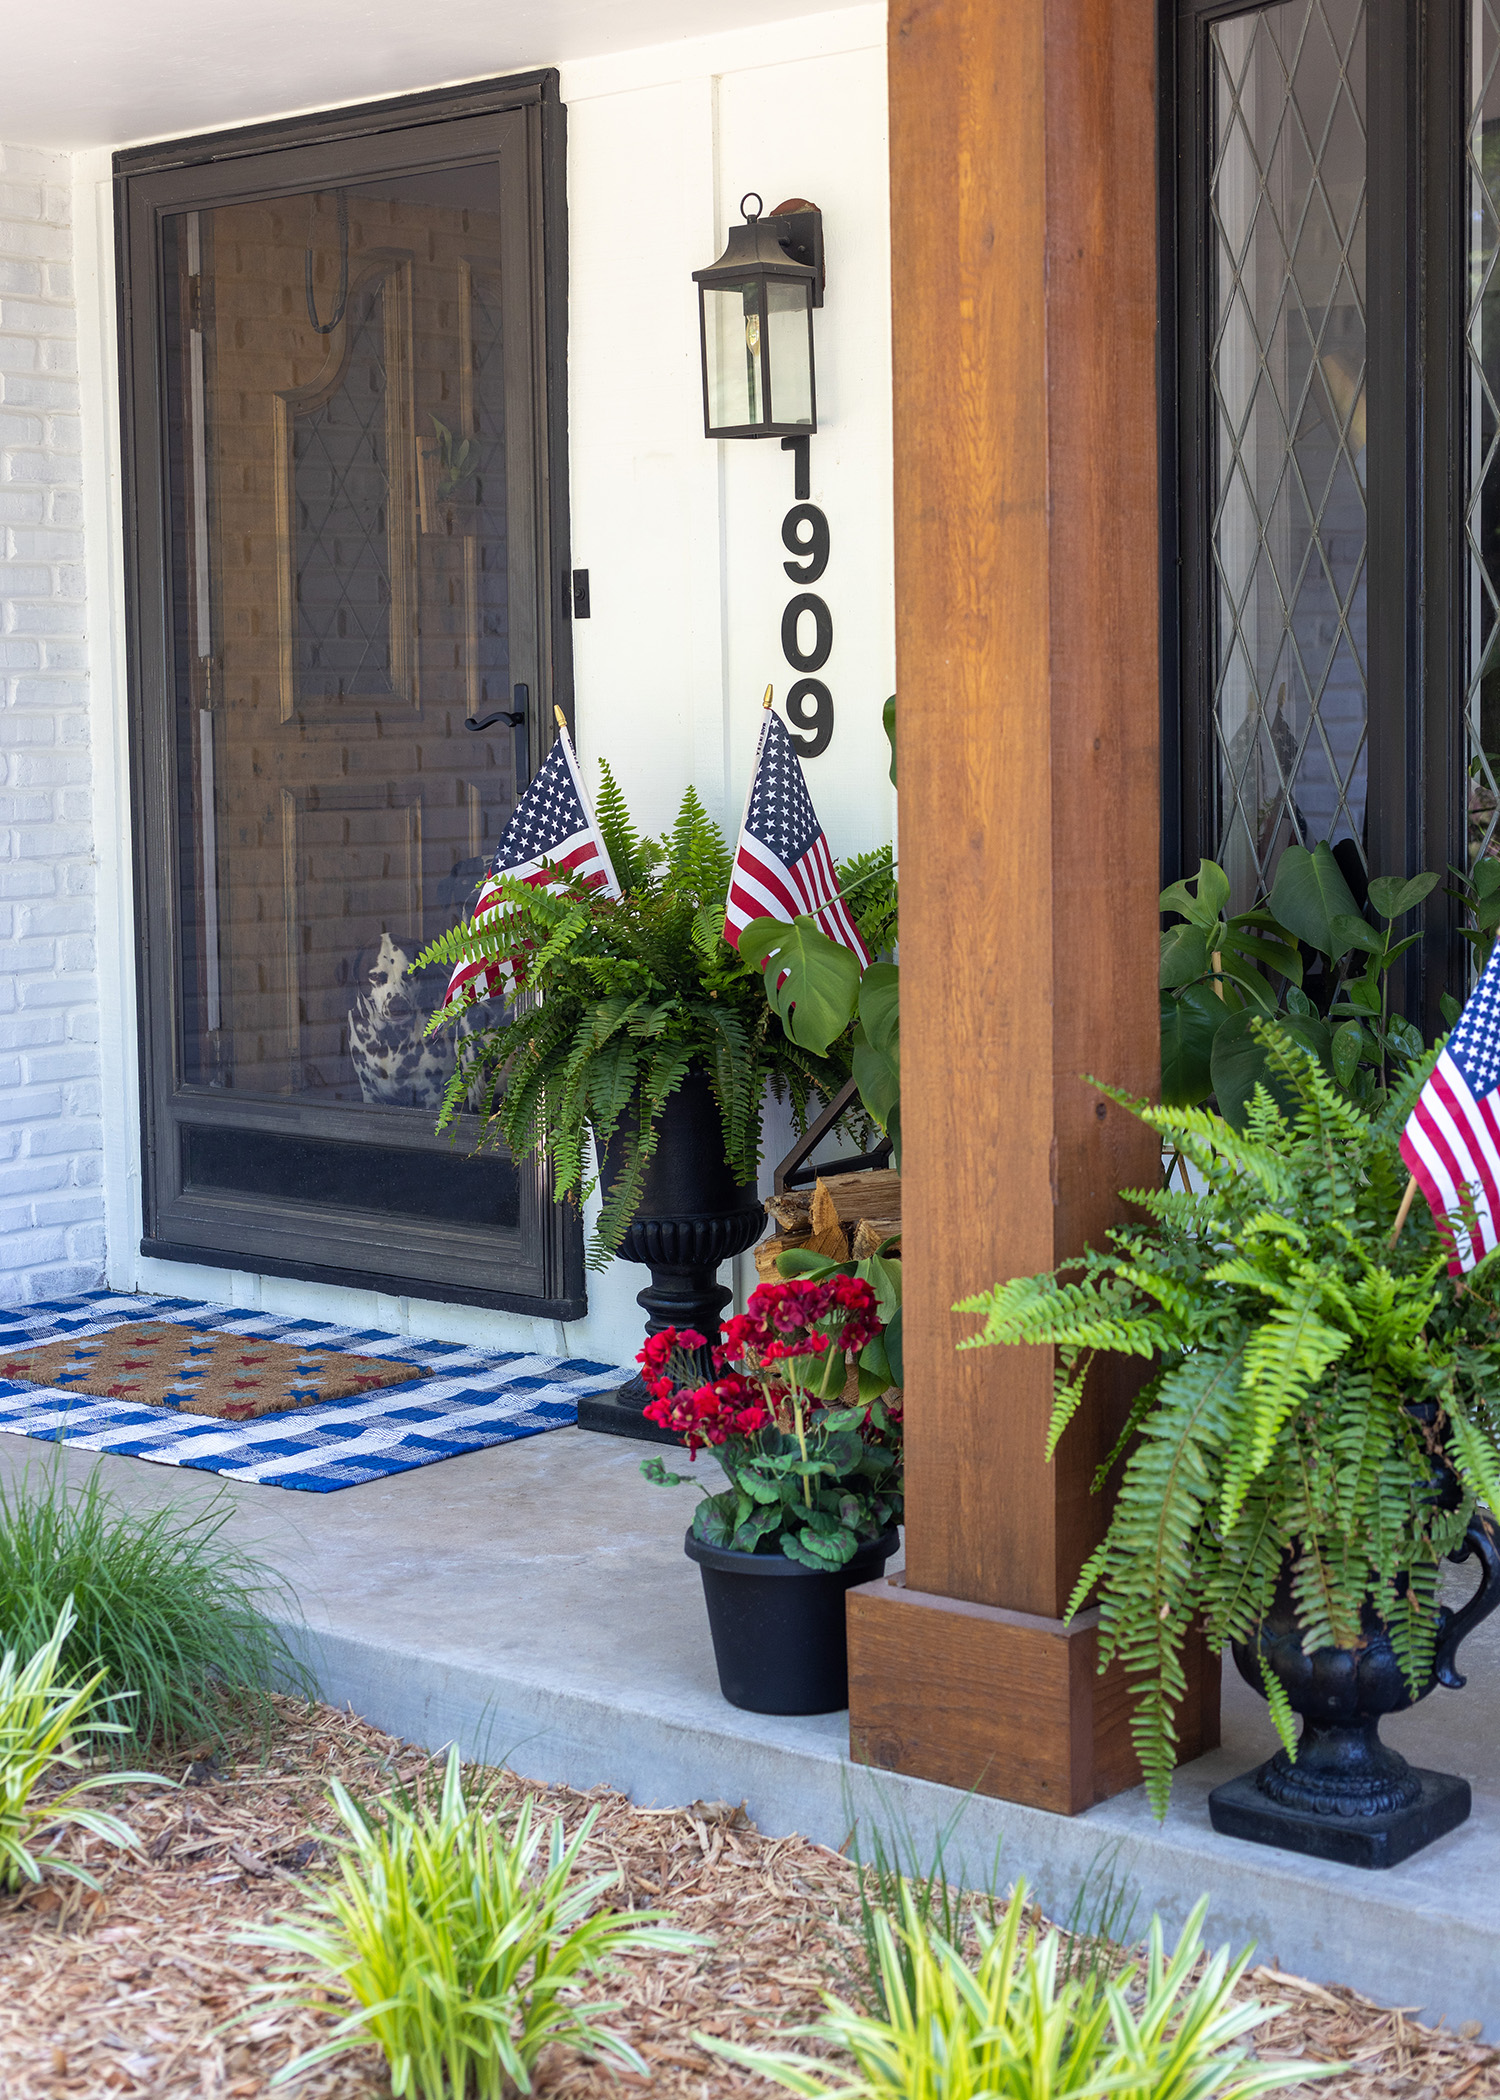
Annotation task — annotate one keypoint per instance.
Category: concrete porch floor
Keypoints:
(533, 1603)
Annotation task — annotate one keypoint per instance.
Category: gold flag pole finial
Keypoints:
(562, 720)
(767, 701)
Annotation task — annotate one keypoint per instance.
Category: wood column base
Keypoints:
(1001, 1702)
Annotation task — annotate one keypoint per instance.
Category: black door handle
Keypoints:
(515, 716)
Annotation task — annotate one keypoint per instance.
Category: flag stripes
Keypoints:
(1452, 1144)
(1452, 1138)
(552, 827)
(783, 868)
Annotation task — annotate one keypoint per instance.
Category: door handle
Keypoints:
(515, 716)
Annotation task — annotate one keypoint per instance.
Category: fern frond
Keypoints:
(1069, 1315)
(622, 841)
(1283, 1720)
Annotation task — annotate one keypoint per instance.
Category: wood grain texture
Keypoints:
(1000, 1702)
(1024, 302)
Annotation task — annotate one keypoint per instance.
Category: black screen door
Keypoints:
(344, 465)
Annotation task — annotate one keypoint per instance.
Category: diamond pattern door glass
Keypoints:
(1482, 506)
(1287, 407)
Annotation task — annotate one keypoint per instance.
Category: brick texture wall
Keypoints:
(51, 1207)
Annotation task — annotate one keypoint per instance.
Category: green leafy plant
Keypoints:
(1293, 958)
(819, 991)
(174, 1617)
(1012, 2026)
(461, 1941)
(1478, 896)
(1289, 1342)
(458, 461)
(49, 1724)
(625, 997)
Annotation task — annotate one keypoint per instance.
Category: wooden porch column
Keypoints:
(1025, 311)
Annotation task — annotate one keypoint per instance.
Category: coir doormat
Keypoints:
(446, 1399)
(229, 1376)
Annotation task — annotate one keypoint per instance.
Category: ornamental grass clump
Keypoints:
(48, 1725)
(796, 1420)
(171, 1616)
(462, 1942)
(1323, 1399)
(1014, 2025)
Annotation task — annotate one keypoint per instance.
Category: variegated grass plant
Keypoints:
(1015, 2024)
(460, 1930)
(47, 1725)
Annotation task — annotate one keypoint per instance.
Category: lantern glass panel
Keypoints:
(789, 327)
(735, 355)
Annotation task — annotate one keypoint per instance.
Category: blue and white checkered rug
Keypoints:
(469, 1398)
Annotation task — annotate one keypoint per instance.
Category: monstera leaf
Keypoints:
(877, 1050)
(811, 982)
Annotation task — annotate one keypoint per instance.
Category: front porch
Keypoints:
(532, 1602)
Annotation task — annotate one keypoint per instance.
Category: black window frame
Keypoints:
(538, 1268)
(1415, 254)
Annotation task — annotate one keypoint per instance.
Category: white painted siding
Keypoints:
(51, 1202)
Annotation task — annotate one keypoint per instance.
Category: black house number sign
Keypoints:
(804, 533)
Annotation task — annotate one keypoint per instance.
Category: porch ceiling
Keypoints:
(102, 74)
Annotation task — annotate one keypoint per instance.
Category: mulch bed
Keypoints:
(128, 1990)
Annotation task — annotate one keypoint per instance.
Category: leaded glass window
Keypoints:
(1482, 509)
(1286, 370)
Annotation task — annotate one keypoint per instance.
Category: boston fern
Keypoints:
(1289, 1343)
(619, 999)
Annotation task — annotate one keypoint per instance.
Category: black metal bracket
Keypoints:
(798, 228)
(791, 1173)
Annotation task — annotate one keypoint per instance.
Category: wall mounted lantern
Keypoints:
(755, 323)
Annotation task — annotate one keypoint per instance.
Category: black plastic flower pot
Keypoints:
(778, 1627)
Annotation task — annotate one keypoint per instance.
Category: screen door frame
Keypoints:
(536, 1268)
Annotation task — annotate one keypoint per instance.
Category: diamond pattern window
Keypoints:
(1287, 367)
(1482, 507)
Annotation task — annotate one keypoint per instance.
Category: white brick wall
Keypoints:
(51, 1202)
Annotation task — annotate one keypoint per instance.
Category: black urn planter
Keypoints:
(692, 1216)
(778, 1627)
(1348, 1796)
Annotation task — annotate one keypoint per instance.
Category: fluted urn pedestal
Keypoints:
(1348, 1796)
(692, 1216)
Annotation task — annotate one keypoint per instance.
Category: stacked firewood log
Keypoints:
(842, 1215)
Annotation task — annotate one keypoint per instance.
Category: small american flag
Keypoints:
(551, 827)
(1452, 1138)
(783, 867)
